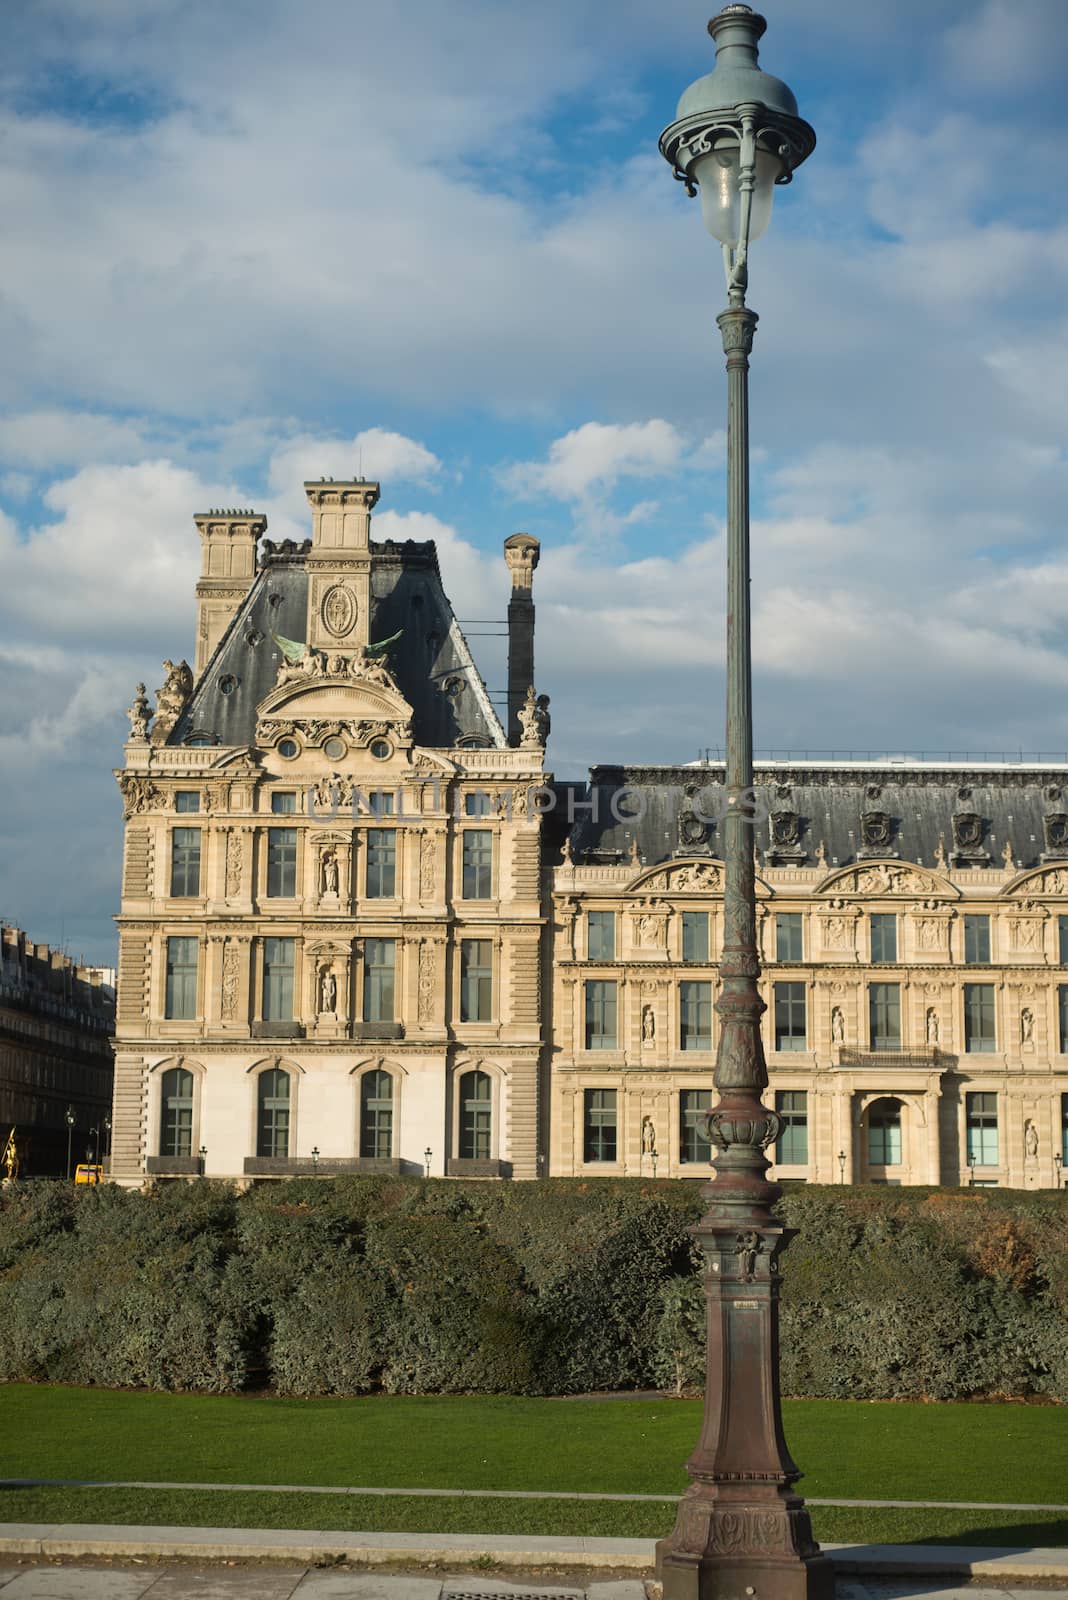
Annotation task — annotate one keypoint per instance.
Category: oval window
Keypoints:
(334, 748)
(287, 748)
(381, 749)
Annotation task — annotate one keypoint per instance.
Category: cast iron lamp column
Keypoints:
(741, 1531)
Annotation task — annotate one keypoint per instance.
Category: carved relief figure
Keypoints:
(427, 980)
(747, 1249)
(648, 1137)
(648, 1025)
(1030, 1140)
(1027, 1027)
(932, 1025)
(233, 864)
(649, 929)
(139, 795)
(426, 866)
(231, 978)
(837, 1026)
(929, 934)
(1025, 931)
(837, 932)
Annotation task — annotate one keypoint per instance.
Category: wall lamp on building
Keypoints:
(741, 1526)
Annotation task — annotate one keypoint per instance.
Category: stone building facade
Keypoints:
(56, 1017)
(362, 929)
(331, 922)
(913, 925)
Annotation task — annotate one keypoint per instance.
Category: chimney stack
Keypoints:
(228, 540)
(521, 552)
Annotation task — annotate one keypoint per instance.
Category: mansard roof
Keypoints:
(921, 812)
(431, 662)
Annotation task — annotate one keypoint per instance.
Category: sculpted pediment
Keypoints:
(1044, 881)
(696, 876)
(340, 700)
(871, 878)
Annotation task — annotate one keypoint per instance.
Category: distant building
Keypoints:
(56, 1019)
(331, 927)
(363, 930)
(913, 927)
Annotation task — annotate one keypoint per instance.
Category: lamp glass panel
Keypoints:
(717, 178)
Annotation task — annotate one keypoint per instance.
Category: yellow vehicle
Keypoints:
(86, 1173)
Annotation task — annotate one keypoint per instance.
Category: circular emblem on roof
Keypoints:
(338, 611)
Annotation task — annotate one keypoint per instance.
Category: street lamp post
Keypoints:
(841, 1166)
(69, 1115)
(427, 1154)
(1057, 1158)
(741, 1530)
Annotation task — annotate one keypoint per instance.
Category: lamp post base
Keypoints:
(744, 1573)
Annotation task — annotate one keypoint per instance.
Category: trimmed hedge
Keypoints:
(560, 1287)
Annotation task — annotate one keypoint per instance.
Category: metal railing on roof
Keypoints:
(714, 754)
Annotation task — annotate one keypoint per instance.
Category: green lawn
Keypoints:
(848, 1451)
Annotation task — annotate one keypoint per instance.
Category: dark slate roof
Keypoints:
(431, 662)
(830, 801)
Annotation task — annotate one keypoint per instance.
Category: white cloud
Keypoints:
(54, 439)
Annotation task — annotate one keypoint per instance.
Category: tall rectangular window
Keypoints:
(182, 962)
(379, 970)
(599, 1125)
(883, 936)
(1062, 1009)
(884, 1016)
(600, 1015)
(791, 1148)
(695, 1016)
(694, 1106)
(477, 864)
(381, 863)
(979, 1034)
(601, 936)
(695, 936)
(376, 1115)
(1062, 940)
(791, 1032)
(284, 803)
(278, 960)
(884, 1133)
(476, 980)
(789, 936)
(186, 801)
(176, 1113)
(981, 1114)
(272, 1114)
(976, 939)
(185, 863)
(282, 862)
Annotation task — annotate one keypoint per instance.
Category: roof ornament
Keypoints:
(140, 715)
(172, 698)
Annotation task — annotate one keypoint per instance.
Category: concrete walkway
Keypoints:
(308, 1548)
(119, 1582)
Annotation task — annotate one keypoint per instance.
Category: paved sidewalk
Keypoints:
(274, 1583)
(309, 1548)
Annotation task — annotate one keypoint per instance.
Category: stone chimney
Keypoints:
(339, 563)
(521, 552)
(228, 541)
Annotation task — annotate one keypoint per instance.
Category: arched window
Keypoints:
(884, 1134)
(272, 1116)
(176, 1113)
(376, 1115)
(476, 1117)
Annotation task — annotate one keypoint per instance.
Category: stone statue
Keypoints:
(634, 854)
(329, 872)
(11, 1159)
(932, 1025)
(172, 698)
(544, 721)
(1030, 1140)
(327, 992)
(140, 715)
(1027, 1026)
(821, 854)
(648, 1137)
(837, 1026)
(940, 853)
(528, 721)
(1006, 856)
(648, 1025)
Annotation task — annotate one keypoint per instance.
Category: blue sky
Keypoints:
(251, 243)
